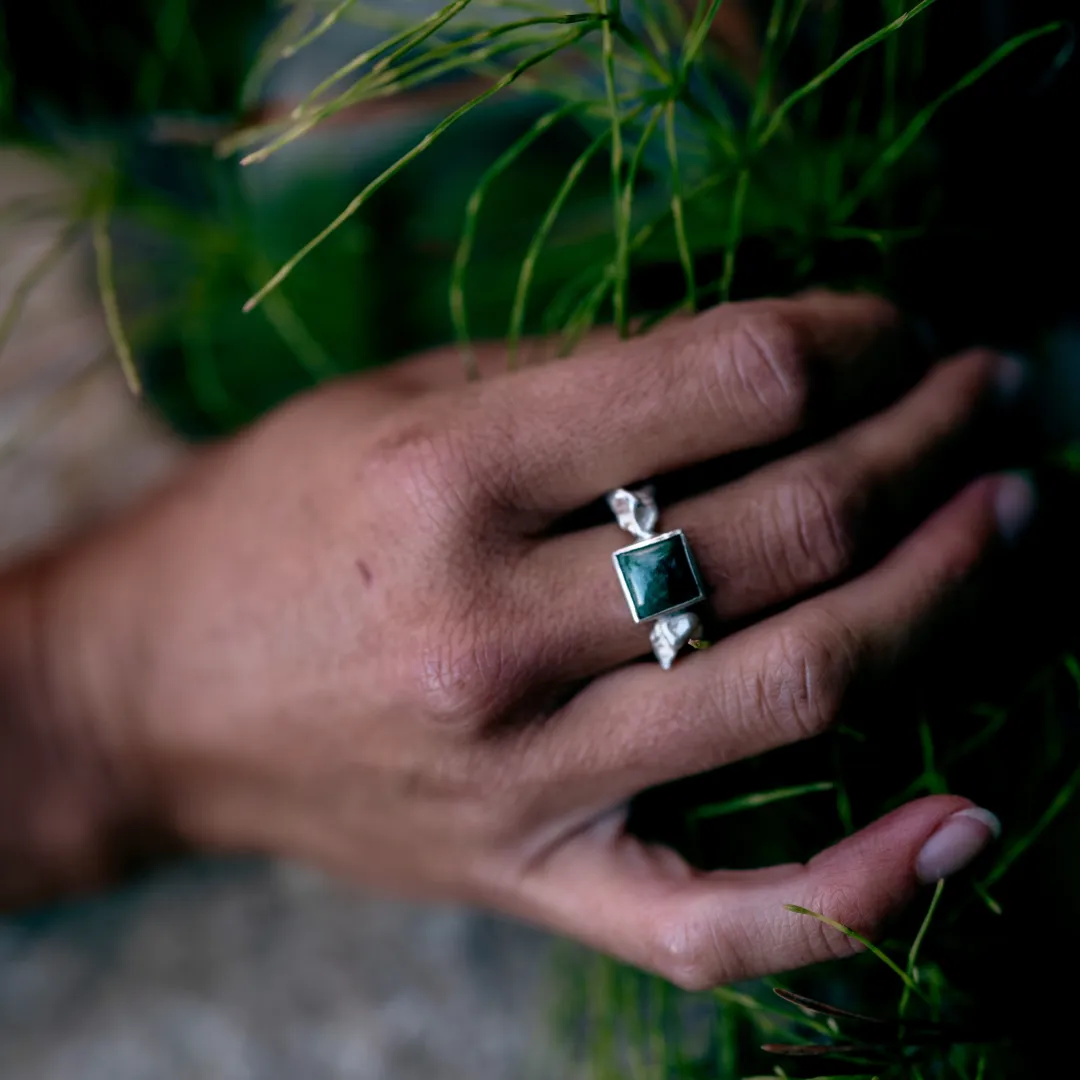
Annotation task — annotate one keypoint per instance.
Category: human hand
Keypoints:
(357, 634)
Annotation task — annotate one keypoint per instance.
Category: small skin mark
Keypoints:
(365, 571)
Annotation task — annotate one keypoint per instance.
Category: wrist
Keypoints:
(74, 806)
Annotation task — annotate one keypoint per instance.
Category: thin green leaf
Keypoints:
(103, 252)
(1072, 664)
(750, 1004)
(584, 316)
(683, 244)
(622, 227)
(395, 81)
(865, 942)
(324, 24)
(39, 270)
(769, 64)
(1060, 801)
(463, 256)
(388, 174)
(916, 945)
(987, 899)
(288, 325)
(696, 39)
(528, 266)
(472, 51)
(630, 184)
(915, 127)
(763, 798)
(400, 43)
(819, 80)
(270, 51)
(738, 207)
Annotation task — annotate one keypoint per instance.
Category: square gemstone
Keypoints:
(659, 576)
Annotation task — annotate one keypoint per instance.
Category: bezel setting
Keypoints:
(677, 542)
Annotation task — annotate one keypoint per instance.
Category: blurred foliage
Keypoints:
(642, 167)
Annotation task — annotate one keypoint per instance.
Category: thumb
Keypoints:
(647, 906)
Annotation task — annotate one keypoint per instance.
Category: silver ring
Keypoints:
(658, 574)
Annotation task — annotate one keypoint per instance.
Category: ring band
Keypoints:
(658, 574)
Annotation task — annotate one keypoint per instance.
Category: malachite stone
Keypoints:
(659, 576)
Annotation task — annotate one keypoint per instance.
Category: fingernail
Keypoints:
(1014, 504)
(957, 842)
(1010, 378)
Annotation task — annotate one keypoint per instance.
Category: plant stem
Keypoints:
(781, 111)
(389, 173)
(107, 290)
(685, 256)
(458, 309)
(865, 942)
(738, 206)
(916, 945)
(622, 228)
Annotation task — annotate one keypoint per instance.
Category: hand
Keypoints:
(358, 634)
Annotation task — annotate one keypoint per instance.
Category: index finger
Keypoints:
(736, 377)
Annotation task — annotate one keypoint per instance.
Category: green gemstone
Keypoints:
(659, 576)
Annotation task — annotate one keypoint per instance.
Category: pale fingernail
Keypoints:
(1009, 379)
(957, 842)
(1014, 504)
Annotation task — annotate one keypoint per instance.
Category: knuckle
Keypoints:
(685, 954)
(806, 674)
(815, 524)
(767, 363)
(428, 465)
(460, 678)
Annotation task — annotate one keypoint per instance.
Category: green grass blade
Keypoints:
(934, 782)
(626, 213)
(540, 237)
(463, 256)
(1060, 801)
(738, 207)
(915, 127)
(686, 258)
(763, 798)
(865, 942)
(916, 945)
(288, 325)
(389, 173)
(270, 52)
(780, 112)
(1072, 665)
(640, 51)
(696, 38)
(609, 8)
(769, 64)
(444, 59)
(38, 271)
(987, 899)
(584, 316)
(471, 52)
(103, 252)
(681, 241)
(400, 43)
(324, 24)
(386, 82)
